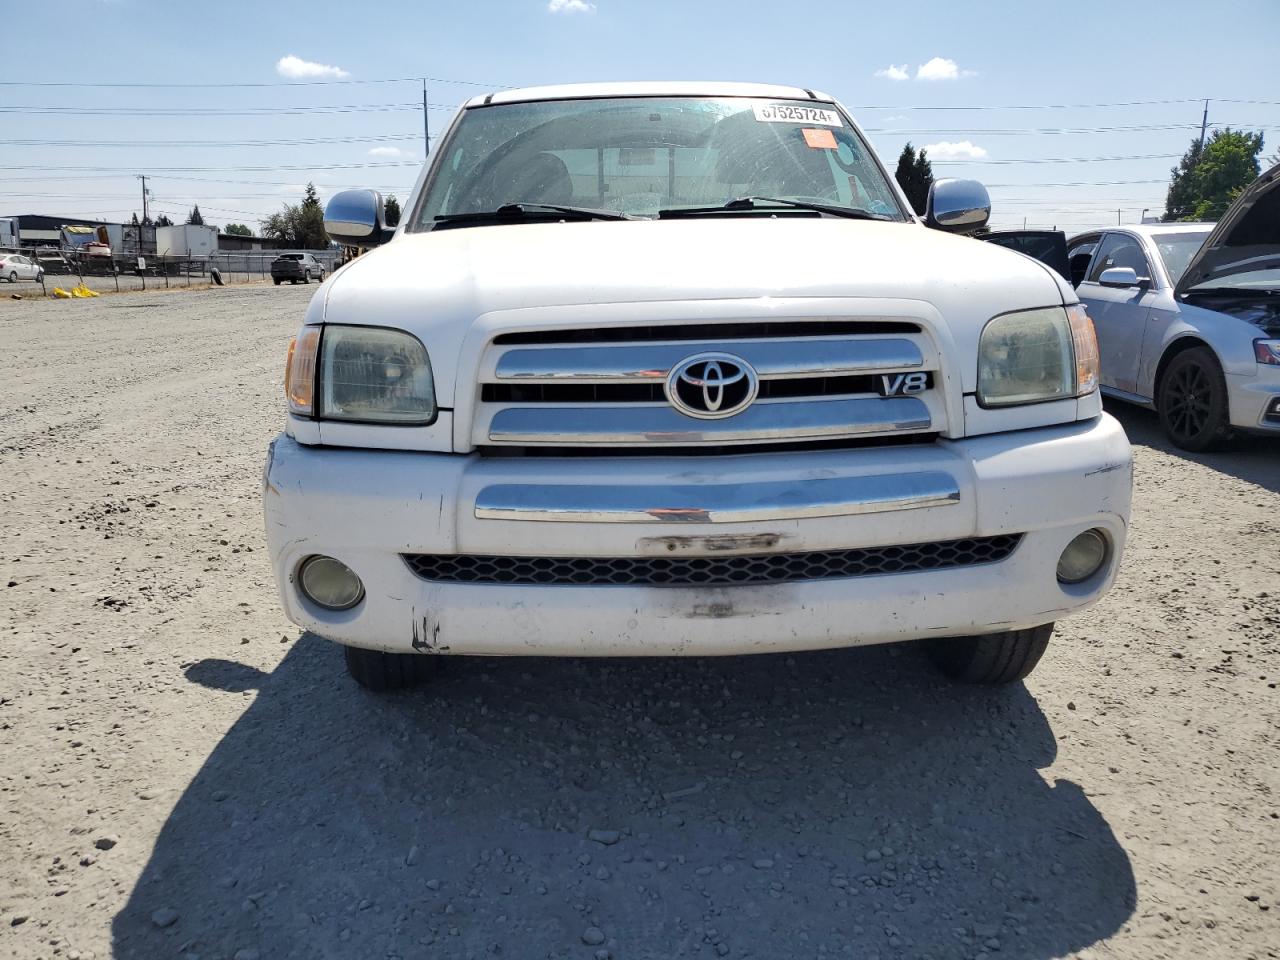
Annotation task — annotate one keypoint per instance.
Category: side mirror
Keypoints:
(1119, 277)
(957, 206)
(356, 218)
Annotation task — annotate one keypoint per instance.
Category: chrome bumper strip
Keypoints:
(717, 503)
(653, 425)
(771, 359)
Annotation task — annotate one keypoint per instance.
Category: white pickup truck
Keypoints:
(673, 369)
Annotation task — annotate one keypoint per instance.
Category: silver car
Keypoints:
(14, 267)
(1188, 317)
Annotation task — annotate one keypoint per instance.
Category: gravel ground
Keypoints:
(183, 775)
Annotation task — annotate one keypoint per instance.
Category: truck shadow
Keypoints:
(1255, 459)
(845, 802)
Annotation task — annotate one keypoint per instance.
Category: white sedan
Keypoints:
(14, 267)
(1188, 317)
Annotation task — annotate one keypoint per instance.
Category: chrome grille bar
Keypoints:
(717, 503)
(771, 359)
(655, 425)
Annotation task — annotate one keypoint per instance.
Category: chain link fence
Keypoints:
(117, 273)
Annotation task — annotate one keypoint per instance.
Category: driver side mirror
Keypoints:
(957, 206)
(1119, 277)
(357, 218)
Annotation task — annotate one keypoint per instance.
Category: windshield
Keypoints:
(645, 154)
(1177, 249)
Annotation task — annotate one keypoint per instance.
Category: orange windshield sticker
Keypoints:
(820, 139)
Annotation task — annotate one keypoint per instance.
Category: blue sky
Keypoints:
(893, 65)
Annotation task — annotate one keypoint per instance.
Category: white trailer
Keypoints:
(8, 231)
(186, 240)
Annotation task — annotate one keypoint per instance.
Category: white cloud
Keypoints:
(940, 68)
(387, 152)
(894, 72)
(958, 150)
(571, 6)
(295, 68)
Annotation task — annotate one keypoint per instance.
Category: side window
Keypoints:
(1119, 250)
(1078, 257)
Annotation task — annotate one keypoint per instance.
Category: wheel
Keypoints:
(991, 658)
(306, 277)
(1192, 401)
(382, 672)
(13, 276)
(276, 281)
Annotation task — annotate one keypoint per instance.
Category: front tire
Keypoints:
(992, 659)
(384, 672)
(1193, 401)
(277, 281)
(13, 276)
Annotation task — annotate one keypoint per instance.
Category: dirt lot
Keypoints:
(183, 775)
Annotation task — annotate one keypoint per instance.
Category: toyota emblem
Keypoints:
(711, 386)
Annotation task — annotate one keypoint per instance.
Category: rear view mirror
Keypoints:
(1119, 277)
(356, 218)
(957, 206)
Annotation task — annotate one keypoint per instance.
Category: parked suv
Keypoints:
(672, 369)
(296, 267)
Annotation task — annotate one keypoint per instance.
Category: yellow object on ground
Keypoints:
(80, 290)
(61, 294)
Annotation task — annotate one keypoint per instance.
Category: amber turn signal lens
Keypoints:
(300, 372)
(1085, 341)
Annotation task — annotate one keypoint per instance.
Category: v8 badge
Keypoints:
(899, 384)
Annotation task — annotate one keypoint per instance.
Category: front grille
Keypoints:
(712, 571)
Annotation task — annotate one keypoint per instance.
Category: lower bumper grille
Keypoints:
(712, 571)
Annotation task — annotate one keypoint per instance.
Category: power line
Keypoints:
(1052, 131)
(333, 166)
(306, 141)
(1145, 156)
(224, 112)
(220, 86)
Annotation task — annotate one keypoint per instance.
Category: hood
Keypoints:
(437, 284)
(1247, 237)
(476, 270)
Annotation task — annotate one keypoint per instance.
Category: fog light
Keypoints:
(330, 584)
(1083, 557)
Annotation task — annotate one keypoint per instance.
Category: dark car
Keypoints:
(1047, 246)
(296, 267)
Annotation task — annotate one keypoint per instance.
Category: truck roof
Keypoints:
(665, 88)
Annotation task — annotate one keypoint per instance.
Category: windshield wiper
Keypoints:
(760, 203)
(518, 211)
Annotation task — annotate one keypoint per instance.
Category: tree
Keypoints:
(163, 221)
(391, 210)
(1209, 177)
(311, 233)
(915, 176)
(194, 216)
(299, 225)
(238, 230)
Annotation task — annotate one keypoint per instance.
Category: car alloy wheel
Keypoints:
(1193, 401)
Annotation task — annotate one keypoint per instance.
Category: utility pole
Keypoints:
(426, 130)
(1118, 221)
(1204, 123)
(143, 178)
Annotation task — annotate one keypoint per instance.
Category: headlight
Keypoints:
(1267, 351)
(360, 374)
(1037, 355)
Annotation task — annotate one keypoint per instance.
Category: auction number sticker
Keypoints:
(796, 113)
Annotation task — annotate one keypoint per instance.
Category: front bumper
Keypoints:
(370, 508)
(1252, 399)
